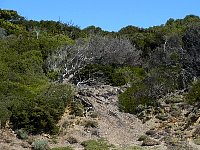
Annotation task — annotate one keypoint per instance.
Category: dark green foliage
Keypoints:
(103, 73)
(194, 93)
(92, 30)
(53, 75)
(77, 108)
(158, 82)
(2, 33)
(165, 79)
(28, 100)
(138, 94)
(42, 113)
(169, 60)
(4, 115)
(114, 75)
(10, 15)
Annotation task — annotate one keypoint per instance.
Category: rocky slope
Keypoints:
(173, 124)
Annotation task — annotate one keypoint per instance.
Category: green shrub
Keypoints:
(42, 113)
(134, 148)
(138, 94)
(166, 78)
(22, 134)
(131, 74)
(114, 75)
(62, 148)
(53, 75)
(40, 144)
(77, 108)
(4, 115)
(194, 93)
(97, 145)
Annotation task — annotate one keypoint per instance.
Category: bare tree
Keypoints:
(98, 49)
(37, 31)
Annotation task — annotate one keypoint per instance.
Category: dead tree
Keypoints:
(97, 50)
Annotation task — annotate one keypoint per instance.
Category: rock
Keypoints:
(151, 132)
(171, 140)
(175, 113)
(162, 117)
(8, 140)
(140, 108)
(142, 137)
(72, 140)
(150, 142)
(196, 132)
(181, 145)
(95, 133)
(25, 145)
(197, 141)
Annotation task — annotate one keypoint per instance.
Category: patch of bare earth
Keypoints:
(9, 141)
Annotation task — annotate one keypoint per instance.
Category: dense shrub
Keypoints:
(77, 108)
(53, 75)
(110, 74)
(42, 113)
(28, 100)
(138, 94)
(194, 93)
(158, 82)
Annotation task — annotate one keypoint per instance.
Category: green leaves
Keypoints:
(194, 93)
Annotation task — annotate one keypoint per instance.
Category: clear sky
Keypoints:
(110, 15)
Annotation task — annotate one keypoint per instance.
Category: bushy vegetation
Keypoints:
(97, 145)
(42, 113)
(28, 99)
(110, 74)
(22, 134)
(62, 148)
(40, 144)
(138, 94)
(36, 55)
(193, 95)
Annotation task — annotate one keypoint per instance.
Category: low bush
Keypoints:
(22, 134)
(40, 144)
(62, 148)
(97, 145)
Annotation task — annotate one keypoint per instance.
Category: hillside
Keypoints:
(83, 88)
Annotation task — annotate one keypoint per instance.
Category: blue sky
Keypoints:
(110, 15)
